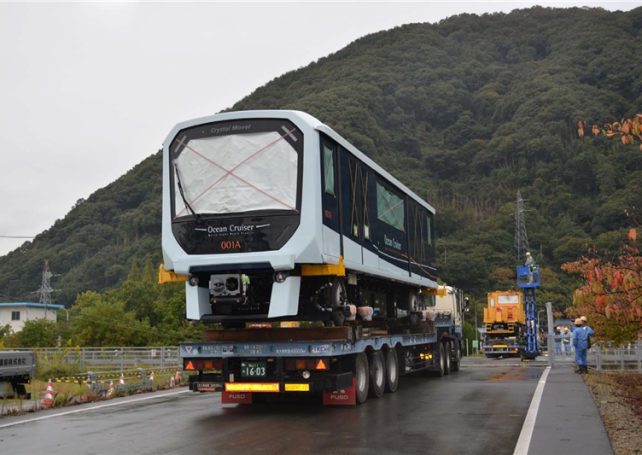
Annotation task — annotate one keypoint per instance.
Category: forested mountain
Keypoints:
(466, 112)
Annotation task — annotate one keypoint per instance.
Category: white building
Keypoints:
(15, 314)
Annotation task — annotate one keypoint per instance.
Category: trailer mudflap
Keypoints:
(236, 397)
(342, 397)
(337, 381)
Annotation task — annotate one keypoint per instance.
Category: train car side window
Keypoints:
(328, 170)
(390, 208)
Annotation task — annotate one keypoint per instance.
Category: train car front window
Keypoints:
(235, 173)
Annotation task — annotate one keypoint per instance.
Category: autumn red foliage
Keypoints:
(611, 293)
(627, 130)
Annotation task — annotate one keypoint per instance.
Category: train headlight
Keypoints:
(193, 280)
(280, 277)
(232, 284)
(217, 286)
(305, 374)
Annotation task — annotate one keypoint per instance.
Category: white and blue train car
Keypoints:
(273, 215)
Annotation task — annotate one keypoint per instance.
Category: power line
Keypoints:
(17, 236)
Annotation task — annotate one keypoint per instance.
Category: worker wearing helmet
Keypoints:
(530, 263)
(581, 339)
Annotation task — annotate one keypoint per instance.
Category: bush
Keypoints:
(60, 400)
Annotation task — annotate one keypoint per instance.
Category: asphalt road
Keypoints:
(479, 410)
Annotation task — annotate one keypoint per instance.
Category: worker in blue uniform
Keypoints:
(581, 339)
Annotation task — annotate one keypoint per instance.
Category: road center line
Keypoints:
(524, 441)
(92, 408)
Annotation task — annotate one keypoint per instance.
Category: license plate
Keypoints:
(253, 369)
(208, 387)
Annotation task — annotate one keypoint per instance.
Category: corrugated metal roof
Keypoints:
(52, 306)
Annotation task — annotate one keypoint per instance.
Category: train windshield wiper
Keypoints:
(182, 193)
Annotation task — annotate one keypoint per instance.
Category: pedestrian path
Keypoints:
(567, 420)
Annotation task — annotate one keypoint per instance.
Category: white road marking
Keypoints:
(524, 441)
(92, 408)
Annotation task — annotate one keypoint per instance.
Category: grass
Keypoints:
(69, 393)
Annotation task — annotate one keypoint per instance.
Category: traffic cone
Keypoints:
(121, 381)
(110, 390)
(178, 377)
(48, 400)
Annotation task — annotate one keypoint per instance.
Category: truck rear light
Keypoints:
(202, 364)
(252, 387)
(306, 364)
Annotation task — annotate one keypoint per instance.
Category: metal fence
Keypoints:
(112, 358)
(602, 358)
(625, 358)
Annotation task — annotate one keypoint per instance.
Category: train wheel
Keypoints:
(412, 300)
(336, 294)
(392, 370)
(362, 377)
(377, 375)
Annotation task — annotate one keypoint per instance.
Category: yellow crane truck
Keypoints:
(504, 322)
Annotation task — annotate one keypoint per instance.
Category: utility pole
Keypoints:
(45, 287)
(521, 239)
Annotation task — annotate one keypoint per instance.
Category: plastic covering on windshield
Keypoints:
(236, 173)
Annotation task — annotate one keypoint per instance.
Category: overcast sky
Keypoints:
(88, 90)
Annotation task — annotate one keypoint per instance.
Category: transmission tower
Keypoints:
(521, 239)
(45, 287)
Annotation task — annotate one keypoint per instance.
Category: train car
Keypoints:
(272, 215)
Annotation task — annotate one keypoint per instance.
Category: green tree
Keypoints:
(101, 320)
(37, 333)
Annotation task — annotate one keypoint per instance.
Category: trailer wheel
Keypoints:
(362, 377)
(377, 374)
(454, 366)
(441, 361)
(392, 370)
(447, 353)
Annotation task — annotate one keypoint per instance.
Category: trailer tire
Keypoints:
(361, 377)
(441, 360)
(392, 370)
(447, 353)
(377, 374)
(456, 362)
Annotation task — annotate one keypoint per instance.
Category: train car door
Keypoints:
(330, 200)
